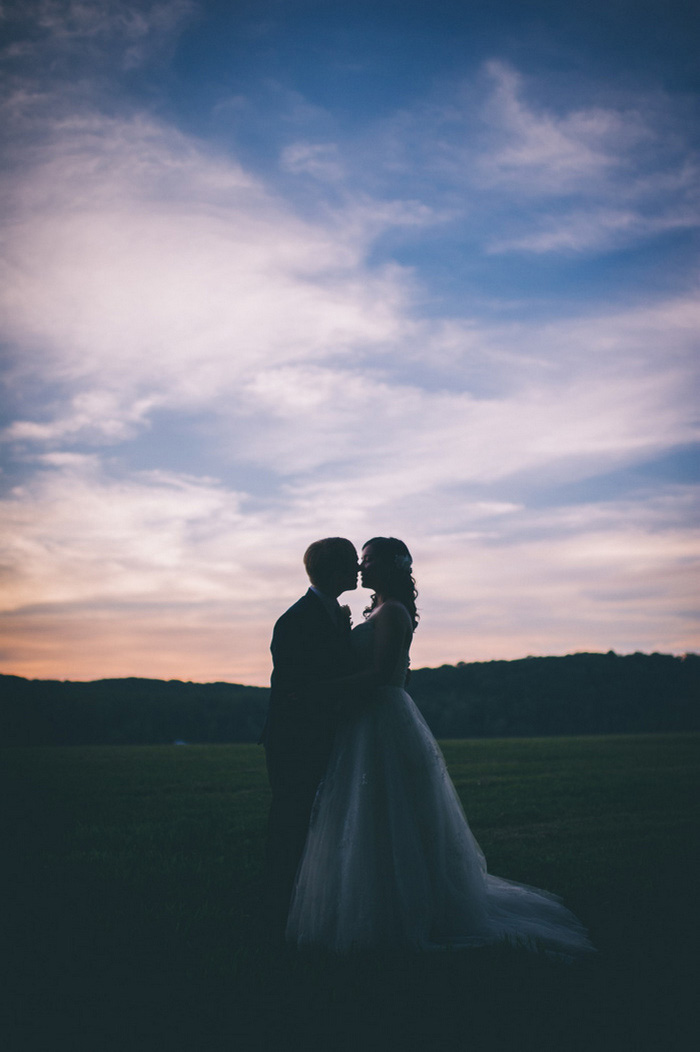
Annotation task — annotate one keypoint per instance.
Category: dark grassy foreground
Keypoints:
(133, 921)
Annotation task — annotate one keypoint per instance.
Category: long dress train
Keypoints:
(390, 860)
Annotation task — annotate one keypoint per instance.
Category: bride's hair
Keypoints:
(399, 582)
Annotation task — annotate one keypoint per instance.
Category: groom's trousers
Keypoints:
(294, 788)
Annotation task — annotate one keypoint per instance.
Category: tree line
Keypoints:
(534, 696)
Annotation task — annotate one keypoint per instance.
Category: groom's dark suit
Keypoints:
(309, 645)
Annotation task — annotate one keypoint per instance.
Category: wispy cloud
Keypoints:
(61, 38)
(596, 230)
(528, 175)
(535, 151)
(320, 160)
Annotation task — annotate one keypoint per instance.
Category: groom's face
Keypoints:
(346, 573)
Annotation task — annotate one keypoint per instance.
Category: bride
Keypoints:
(390, 860)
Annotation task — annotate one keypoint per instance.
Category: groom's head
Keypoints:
(332, 565)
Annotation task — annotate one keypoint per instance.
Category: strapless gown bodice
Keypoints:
(362, 640)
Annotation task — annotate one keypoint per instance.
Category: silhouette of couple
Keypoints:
(368, 846)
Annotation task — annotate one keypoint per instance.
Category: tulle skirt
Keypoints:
(390, 860)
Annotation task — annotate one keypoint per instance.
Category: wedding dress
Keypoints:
(390, 860)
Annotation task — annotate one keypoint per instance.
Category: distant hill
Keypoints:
(535, 696)
(128, 712)
(576, 694)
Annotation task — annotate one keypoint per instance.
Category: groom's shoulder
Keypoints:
(303, 606)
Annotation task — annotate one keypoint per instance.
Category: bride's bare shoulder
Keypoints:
(393, 611)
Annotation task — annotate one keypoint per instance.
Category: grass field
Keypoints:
(132, 912)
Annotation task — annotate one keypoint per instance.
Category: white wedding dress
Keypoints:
(390, 860)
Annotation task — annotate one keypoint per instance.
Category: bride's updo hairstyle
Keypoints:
(396, 563)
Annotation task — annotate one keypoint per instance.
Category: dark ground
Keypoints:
(132, 917)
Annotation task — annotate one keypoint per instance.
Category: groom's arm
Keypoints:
(290, 667)
(309, 656)
(302, 645)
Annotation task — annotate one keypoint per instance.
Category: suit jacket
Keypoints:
(307, 648)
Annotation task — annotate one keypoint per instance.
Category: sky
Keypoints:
(274, 270)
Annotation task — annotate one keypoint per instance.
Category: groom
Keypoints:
(310, 644)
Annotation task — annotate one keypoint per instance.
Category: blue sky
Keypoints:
(281, 270)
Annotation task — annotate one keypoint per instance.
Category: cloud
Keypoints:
(538, 152)
(564, 579)
(63, 37)
(320, 160)
(596, 230)
(522, 172)
(75, 534)
(581, 395)
(138, 264)
(96, 416)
